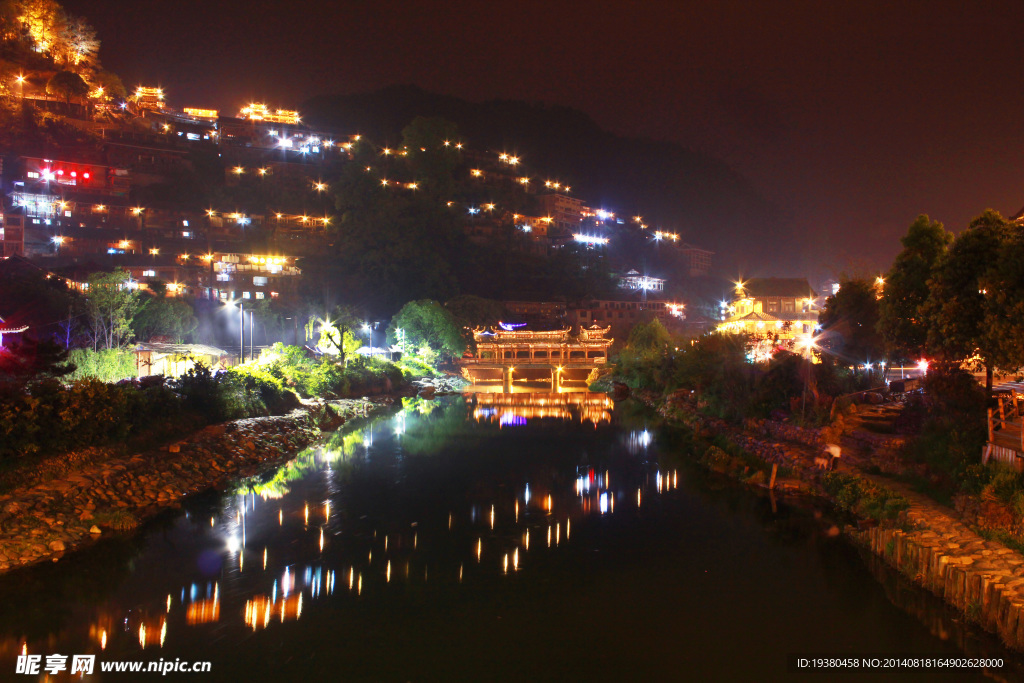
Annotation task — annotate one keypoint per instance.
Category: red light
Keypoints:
(74, 174)
(85, 175)
(60, 172)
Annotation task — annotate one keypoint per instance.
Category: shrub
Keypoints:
(106, 365)
(863, 497)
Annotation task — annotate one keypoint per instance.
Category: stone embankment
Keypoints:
(929, 544)
(45, 520)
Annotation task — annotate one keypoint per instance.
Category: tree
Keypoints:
(33, 359)
(649, 338)
(960, 308)
(849, 322)
(76, 45)
(111, 84)
(337, 334)
(163, 316)
(472, 311)
(110, 305)
(1003, 289)
(427, 323)
(67, 84)
(901, 321)
(40, 19)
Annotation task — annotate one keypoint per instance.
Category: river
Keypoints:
(487, 537)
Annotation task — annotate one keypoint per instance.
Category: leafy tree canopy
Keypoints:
(849, 323)
(427, 323)
(902, 322)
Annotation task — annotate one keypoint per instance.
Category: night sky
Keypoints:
(852, 117)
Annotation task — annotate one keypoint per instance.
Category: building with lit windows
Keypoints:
(772, 307)
(636, 282)
(251, 276)
(566, 212)
(698, 260)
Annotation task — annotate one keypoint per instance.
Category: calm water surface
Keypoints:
(486, 537)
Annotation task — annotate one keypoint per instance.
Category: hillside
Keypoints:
(708, 203)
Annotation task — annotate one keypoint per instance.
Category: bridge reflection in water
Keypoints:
(515, 409)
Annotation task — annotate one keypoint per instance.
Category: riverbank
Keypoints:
(927, 542)
(46, 519)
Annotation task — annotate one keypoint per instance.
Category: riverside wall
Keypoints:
(46, 520)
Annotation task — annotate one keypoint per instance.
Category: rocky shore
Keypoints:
(45, 520)
(928, 543)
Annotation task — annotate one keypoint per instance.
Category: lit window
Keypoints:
(186, 233)
(246, 295)
(259, 281)
(32, 174)
(259, 295)
(149, 273)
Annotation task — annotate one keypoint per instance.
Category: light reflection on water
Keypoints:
(385, 518)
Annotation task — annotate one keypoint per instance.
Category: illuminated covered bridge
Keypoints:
(517, 354)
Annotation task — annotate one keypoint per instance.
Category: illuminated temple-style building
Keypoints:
(772, 309)
(533, 355)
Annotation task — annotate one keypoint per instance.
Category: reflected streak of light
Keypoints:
(307, 513)
(103, 642)
(460, 573)
(241, 561)
(280, 517)
(549, 504)
(526, 495)
(611, 497)
(321, 539)
(515, 560)
(567, 528)
(327, 511)
(385, 543)
(479, 548)
(415, 540)
(504, 564)
(449, 521)
(351, 577)
(675, 479)
(517, 511)
(638, 497)
(492, 518)
(369, 558)
(607, 480)
(526, 540)
(24, 646)
(168, 602)
(549, 535)
(163, 633)
(389, 572)
(211, 522)
(359, 590)
(264, 559)
(558, 532)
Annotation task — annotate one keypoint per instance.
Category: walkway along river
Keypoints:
(553, 536)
